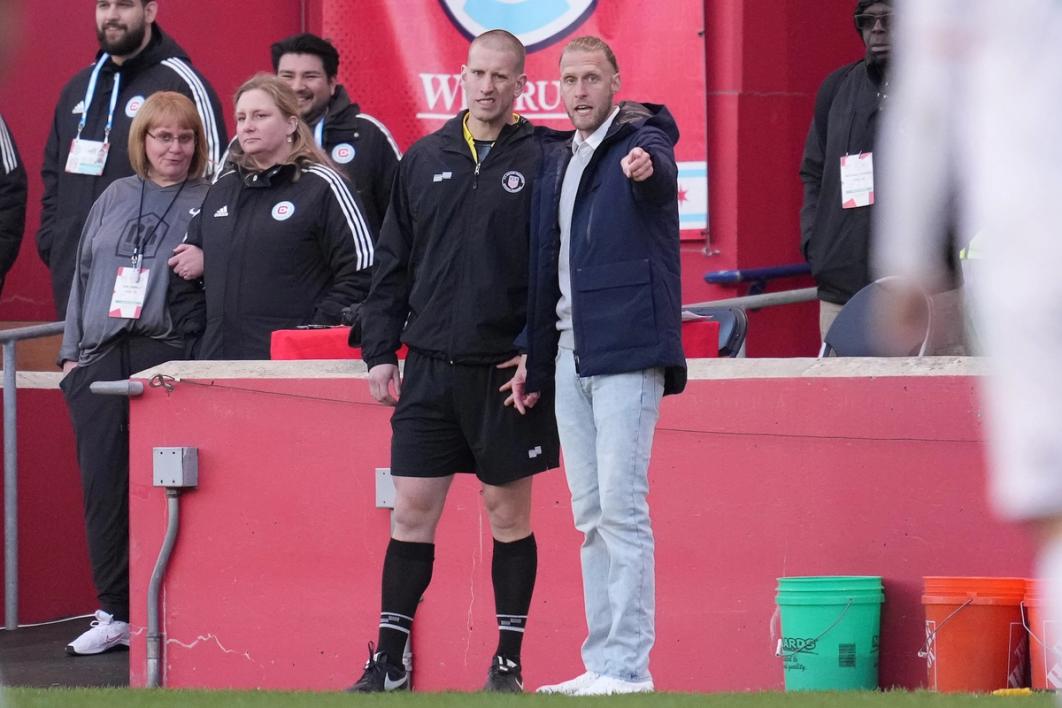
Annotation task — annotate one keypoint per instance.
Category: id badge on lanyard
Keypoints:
(130, 291)
(857, 180)
(89, 157)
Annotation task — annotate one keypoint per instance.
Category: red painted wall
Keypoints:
(751, 479)
(54, 575)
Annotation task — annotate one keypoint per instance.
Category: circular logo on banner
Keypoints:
(512, 182)
(536, 23)
(283, 211)
(343, 153)
(133, 106)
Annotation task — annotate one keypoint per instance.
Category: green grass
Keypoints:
(117, 698)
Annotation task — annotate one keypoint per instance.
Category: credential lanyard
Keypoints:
(91, 91)
(140, 240)
(318, 132)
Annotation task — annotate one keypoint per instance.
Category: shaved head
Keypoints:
(502, 41)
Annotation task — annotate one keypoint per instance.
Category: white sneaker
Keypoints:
(607, 686)
(106, 633)
(571, 687)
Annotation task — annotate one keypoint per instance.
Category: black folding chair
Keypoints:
(857, 330)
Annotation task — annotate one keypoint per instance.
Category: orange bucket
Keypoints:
(1045, 640)
(975, 637)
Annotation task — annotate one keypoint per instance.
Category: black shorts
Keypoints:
(450, 419)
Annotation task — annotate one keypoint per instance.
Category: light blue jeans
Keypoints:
(606, 426)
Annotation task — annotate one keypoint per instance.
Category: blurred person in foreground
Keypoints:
(125, 314)
(974, 120)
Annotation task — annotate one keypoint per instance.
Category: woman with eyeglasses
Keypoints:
(126, 314)
(283, 238)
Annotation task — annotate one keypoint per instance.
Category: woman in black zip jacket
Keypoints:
(283, 238)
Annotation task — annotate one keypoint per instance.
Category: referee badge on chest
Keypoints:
(512, 182)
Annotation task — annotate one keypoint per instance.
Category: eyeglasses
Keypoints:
(868, 21)
(184, 140)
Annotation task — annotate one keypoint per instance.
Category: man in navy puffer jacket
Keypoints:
(604, 328)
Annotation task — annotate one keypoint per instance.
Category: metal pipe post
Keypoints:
(154, 623)
(9, 338)
(10, 489)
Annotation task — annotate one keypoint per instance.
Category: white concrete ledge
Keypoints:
(36, 379)
(699, 369)
(308, 369)
(836, 367)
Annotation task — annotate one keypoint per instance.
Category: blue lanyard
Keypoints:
(318, 132)
(92, 92)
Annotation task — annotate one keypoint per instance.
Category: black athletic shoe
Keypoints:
(380, 675)
(504, 676)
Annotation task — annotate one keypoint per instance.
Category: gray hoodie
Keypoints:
(107, 243)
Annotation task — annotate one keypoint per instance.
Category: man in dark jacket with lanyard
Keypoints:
(451, 284)
(87, 148)
(838, 166)
(12, 201)
(358, 144)
(604, 325)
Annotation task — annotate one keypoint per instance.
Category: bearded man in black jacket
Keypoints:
(87, 147)
(838, 168)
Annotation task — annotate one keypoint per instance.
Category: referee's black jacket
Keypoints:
(278, 252)
(452, 260)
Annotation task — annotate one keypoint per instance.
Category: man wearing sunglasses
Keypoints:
(838, 166)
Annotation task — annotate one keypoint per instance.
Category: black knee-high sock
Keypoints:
(513, 571)
(406, 574)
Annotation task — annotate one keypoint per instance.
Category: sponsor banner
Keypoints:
(401, 62)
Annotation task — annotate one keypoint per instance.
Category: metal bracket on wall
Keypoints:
(385, 488)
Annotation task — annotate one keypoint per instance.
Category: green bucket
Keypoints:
(831, 625)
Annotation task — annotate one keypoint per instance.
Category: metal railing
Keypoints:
(9, 338)
(757, 278)
(753, 302)
(745, 275)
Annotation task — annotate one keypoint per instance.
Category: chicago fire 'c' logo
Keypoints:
(133, 106)
(537, 23)
(343, 153)
(282, 211)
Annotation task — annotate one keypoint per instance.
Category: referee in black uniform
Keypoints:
(451, 283)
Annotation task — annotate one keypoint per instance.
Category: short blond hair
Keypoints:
(589, 43)
(160, 107)
(304, 150)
